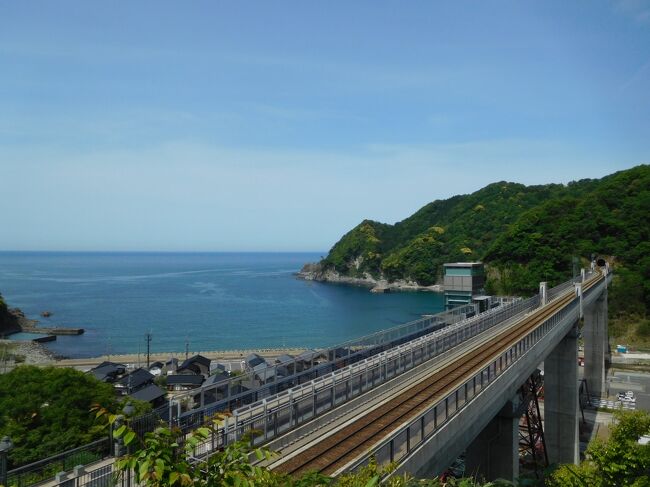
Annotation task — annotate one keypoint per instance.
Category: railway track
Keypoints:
(342, 447)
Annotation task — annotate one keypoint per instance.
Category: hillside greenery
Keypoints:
(610, 220)
(525, 234)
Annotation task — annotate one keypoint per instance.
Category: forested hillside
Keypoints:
(611, 219)
(525, 234)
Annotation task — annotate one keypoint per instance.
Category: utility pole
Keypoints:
(147, 337)
(187, 348)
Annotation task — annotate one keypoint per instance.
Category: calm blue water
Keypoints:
(217, 301)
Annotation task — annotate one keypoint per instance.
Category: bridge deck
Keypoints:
(330, 454)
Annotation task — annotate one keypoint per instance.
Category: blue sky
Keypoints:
(280, 125)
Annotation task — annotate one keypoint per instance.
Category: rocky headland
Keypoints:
(315, 272)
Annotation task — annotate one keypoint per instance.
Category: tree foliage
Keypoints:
(46, 410)
(618, 461)
(610, 217)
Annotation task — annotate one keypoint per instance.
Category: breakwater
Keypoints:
(49, 330)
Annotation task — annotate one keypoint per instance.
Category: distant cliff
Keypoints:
(9, 322)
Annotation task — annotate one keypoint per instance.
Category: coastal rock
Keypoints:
(46, 314)
(314, 272)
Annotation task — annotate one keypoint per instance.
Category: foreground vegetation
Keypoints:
(159, 460)
(618, 461)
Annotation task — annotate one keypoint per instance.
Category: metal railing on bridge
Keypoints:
(190, 409)
(275, 415)
(47, 468)
(403, 442)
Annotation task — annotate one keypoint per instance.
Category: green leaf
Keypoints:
(373, 481)
(119, 431)
(129, 437)
(173, 477)
(204, 432)
(144, 468)
(160, 469)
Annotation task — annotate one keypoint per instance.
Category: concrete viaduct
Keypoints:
(462, 401)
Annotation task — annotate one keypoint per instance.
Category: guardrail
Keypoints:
(401, 443)
(278, 414)
(232, 393)
(47, 468)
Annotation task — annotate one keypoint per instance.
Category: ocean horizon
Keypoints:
(207, 300)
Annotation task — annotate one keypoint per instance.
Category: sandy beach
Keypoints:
(37, 354)
(141, 359)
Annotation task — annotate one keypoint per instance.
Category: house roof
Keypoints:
(253, 360)
(196, 359)
(107, 370)
(156, 365)
(185, 380)
(105, 363)
(263, 371)
(137, 378)
(307, 355)
(149, 393)
(284, 359)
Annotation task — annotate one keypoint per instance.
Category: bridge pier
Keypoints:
(494, 453)
(596, 340)
(561, 400)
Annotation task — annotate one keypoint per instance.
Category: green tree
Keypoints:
(618, 461)
(46, 410)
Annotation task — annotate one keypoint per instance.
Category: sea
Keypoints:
(203, 301)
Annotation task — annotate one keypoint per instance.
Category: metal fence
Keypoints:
(277, 414)
(190, 410)
(101, 476)
(47, 468)
(401, 443)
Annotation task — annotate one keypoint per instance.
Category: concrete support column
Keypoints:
(494, 453)
(596, 345)
(543, 293)
(561, 400)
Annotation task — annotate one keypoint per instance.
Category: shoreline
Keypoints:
(38, 354)
(141, 359)
(314, 272)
